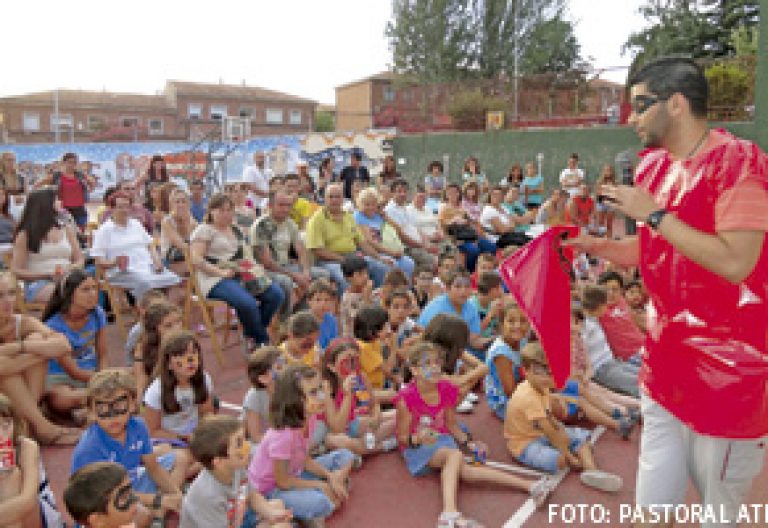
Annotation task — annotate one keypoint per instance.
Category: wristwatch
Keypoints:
(157, 501)
(654, 219)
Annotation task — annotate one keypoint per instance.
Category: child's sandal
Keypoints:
(456, 520)
(540, 491)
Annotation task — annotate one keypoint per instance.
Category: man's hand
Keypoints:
(634, 202)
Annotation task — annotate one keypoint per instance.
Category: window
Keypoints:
(65, 121)
(155, 127)
(31, 122)
(295, 118)
(218, 112)
(129, 122)
(96, 122)
(246, 111)
(389, 94)
(194, 110)
(274, 116)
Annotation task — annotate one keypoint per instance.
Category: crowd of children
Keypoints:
(371, 371)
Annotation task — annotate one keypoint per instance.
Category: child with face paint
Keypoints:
(117, 436)
(219, 496)
(159, 320)
(353, 412)
(264, 365)
(429, 436)
(281, 467)
(21, 473)
(181, 392)
(101, 495)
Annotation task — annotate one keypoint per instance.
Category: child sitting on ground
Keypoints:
(281, 468)
(485, 262)
(358, 293)
(219, 494)
(394, 278)
(264, 365)
(423, 278)
(637, 300)
(100, 495)
(624, 336)
(160, 319)
(181, 393)
(446, 263)
(399, 305)
(134, 334)
(488, 300)
(503, 359)
(537, 439)
(300, 345)
(322, 300)
(373, 334)
(608, 371)
(429, 436)
(117, 436)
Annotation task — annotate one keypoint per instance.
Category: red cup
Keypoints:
(7, 455)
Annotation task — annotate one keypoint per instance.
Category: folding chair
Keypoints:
(207, 307)
(118, 302)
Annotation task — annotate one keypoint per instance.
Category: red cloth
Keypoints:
(706, 355)
(624, 337)
(538, 278)
(71, 192)
(585, 206)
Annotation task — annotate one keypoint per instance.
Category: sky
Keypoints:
(301, 47)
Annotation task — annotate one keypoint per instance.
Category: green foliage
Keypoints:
(744, 40)
(553, 48)
(468, 108)
(701, 29)
(437, 41)
(324, 122)
(731, 87)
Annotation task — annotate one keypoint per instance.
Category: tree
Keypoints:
(696, 28)
(553, 47)
(324, 121)
(453, 40)
(468, 109)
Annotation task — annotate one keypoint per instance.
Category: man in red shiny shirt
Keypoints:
(701, 249)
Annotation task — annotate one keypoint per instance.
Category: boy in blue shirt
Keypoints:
(322, 300)
(117, 436)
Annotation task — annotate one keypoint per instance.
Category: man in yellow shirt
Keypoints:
(302, 209)
(332, 234)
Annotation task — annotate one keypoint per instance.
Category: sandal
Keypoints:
(62, 437)
(456, 520)
(540, 491)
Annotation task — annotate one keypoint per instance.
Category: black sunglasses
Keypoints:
(641, 103)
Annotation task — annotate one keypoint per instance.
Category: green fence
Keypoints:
(498, 150)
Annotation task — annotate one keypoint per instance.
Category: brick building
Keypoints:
(380, 101)
(182, 111)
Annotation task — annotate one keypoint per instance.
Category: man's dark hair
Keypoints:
(357, 156)
(352, 264)
(667, 76)
(399, 182)
(438, 164)
(593, 297)
(68, 156)
(608, 276)
(292, 176)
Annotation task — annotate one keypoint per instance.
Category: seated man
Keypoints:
(273, 235)
(417, 246)
(332, 234)
(301, 208)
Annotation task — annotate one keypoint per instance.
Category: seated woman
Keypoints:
(244, 213)
(44, 246)
(371, 224)
(497, 222)
(7, 222)
(219, 252)
(122, 246)
(74, 312)
(26, 346)
(453, 216)
(176, 228)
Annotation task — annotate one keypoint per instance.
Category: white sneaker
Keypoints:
(389, 444)
(472, 397)
(465, 407)
(601, 480)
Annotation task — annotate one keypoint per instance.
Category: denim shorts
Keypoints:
(571, 389)
(540, 454)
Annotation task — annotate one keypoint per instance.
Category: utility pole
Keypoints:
(516, 18)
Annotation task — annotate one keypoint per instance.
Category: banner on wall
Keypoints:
(112, 163)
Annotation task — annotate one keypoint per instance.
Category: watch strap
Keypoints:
(654, 219)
